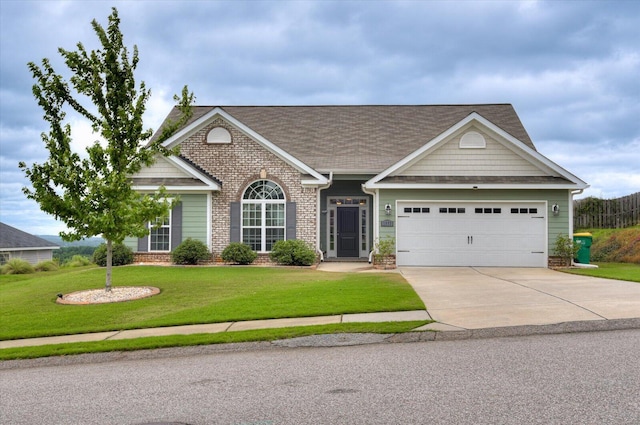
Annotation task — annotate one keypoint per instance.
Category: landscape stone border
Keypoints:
(100, 296)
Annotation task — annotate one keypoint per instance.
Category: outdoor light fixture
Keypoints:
(387, 209)
(556, 209)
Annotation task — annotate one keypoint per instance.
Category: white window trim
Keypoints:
(263, 216)
(152, 228)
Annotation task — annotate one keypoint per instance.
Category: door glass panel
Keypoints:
(332, 233)
(363, 230)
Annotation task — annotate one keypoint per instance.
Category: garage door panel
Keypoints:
(471, 234)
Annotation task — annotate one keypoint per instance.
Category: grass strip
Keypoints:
(619, 271)
(204, 339)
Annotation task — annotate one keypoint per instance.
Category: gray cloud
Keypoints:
(569, 68)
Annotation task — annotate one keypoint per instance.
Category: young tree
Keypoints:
(94, 195)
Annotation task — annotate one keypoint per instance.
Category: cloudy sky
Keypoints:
(570, 68)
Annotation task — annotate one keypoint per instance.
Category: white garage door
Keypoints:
(471, 234)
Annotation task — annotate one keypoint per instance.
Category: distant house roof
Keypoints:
(362, 138)
(14, 239)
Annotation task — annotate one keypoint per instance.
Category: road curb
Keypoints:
(526, 330)
(329, 340)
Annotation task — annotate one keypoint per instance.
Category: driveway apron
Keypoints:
(487, 297)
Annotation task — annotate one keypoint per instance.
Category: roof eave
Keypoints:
(479, 186)
(28, 248)
(153, 188)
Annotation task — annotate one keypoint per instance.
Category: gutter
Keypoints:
(376, 210)
(318, 203)
(572, 193)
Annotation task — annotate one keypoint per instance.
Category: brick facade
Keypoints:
(558, 262)
(157, 258)
(238, 164)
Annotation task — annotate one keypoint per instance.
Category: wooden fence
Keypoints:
(596, 213)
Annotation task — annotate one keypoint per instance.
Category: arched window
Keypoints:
(263, 215)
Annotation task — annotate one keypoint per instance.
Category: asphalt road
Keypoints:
(582, 378)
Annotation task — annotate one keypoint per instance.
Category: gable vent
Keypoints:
(472, 140)
(219, 135)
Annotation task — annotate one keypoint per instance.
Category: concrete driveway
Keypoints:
(487, 297)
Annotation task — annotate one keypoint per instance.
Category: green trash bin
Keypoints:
(583, 240)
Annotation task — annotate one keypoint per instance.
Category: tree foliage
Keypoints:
(93, 195)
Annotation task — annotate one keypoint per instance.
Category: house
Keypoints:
(15, 243)
(453, 185)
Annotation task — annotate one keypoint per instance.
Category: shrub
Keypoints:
(565, 248)
(385, 247)
(190, 252)
(293, 252)
(122, 255)
(78, 261)
(46, 266)
(17, 266)
(238, 253)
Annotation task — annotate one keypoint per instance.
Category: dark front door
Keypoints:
(348, 232)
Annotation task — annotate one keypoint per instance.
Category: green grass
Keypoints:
(620, 271)
(202, 339)
(192, 295)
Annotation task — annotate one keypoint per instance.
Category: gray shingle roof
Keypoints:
(10, 237)
(364, 139)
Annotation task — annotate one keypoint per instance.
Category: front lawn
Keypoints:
(620, 271)
(191, 295)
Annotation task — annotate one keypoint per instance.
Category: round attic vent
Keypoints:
(219, 135)
(472, 140)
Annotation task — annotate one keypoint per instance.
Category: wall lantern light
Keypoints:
(387, 209)
(556, 209)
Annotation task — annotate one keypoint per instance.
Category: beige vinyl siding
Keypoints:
(161, 168)
(556, 224)
(32, 257)
(194, 219)
(494, 160)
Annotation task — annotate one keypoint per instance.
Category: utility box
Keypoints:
(584, 241)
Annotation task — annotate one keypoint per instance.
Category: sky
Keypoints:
(571, 69)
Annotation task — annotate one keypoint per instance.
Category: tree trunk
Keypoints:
(107, 286)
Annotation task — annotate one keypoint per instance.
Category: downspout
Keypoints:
(571, 195)
(318, 204)
(376, 211)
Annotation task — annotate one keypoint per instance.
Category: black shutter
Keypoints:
(290, 230)
(235, 218)
(176, 226)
